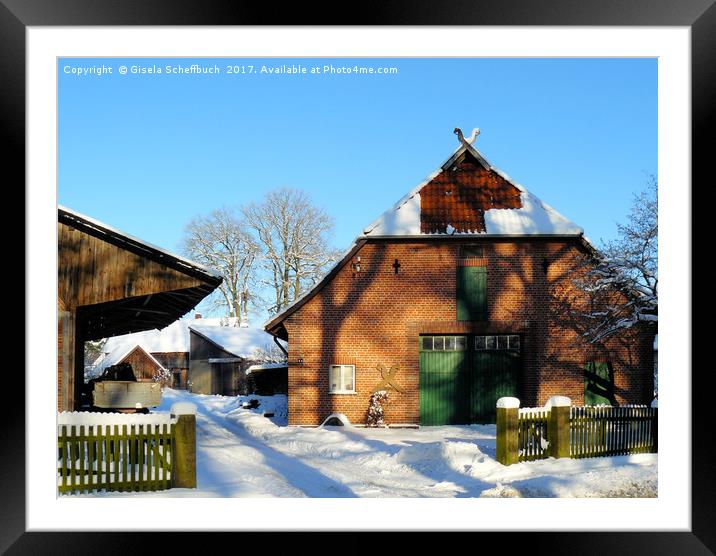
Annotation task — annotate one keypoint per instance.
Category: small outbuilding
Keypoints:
(220, 356)
(110, 283)
(217, 350)
(267, 379)
(168, 348)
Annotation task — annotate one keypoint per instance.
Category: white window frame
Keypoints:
(342, 391)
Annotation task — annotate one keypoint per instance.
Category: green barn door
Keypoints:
(495, 372)
(461, 381)
(598, 384)
(444, 381)
(471, 293)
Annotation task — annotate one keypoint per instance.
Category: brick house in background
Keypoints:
(454, 297)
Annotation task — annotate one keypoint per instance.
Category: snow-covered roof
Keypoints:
(172, 339)
(265, 367)
(533, 218)
(241, 342)
(120, 352)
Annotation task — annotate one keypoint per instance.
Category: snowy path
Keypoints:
(240, 453)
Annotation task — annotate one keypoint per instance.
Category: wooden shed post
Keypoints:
(559, 434)
(66, 360)
(184, 468)
(507, 433)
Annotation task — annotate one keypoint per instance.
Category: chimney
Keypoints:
(197, 316)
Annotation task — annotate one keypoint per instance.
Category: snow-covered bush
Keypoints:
(163, 376)
(375, 410)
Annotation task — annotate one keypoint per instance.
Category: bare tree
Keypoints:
(269, 353)
(293, 235)
(622, 287)
(221, 242)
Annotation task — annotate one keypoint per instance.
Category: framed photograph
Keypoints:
(356, 366)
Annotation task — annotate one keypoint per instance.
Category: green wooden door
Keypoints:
(444, 383)
(598, 384)
(461, 384)
(495, 375)
(471, 293)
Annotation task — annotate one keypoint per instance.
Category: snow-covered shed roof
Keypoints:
(240, 341)
(118, 353)
(265, 367)
(524, 215)
(172, 339)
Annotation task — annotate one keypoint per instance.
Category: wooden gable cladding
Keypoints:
(459, 196)
(92, 270)
(143, 365)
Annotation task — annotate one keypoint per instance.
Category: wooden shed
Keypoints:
(110, 283)
(220, 355)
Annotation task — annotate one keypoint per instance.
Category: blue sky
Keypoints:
(147, 152)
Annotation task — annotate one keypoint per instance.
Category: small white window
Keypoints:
(342, 379)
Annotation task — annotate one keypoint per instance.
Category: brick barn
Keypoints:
(457, 295)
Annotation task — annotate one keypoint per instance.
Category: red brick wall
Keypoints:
(375, 317)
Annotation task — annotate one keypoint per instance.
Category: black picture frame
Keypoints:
(698, 15)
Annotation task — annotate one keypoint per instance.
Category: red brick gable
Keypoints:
(460, 195)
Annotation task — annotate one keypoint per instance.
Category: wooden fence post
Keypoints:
(184, 468)
(559, 426)
(507, 433)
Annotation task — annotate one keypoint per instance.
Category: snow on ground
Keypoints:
(241, 453)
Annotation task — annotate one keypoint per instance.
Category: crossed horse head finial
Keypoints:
(388, 379)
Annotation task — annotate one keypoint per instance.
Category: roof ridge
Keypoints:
(560, 225)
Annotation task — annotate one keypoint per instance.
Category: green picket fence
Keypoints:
(612, 431)
(115, 457)
(532, 434)
(593, 432)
